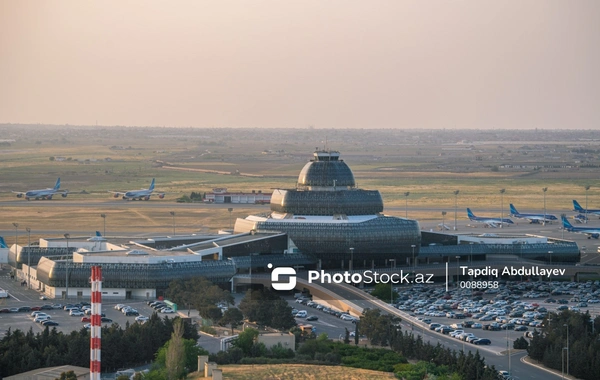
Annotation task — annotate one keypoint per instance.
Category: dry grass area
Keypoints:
(297, 372)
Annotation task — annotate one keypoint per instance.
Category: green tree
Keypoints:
(384, 292)
(69, 375)
(175, 361)
(245, 340)
(233, 317)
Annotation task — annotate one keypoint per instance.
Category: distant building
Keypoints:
(221, 195)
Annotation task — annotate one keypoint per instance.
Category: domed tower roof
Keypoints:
(326, 172)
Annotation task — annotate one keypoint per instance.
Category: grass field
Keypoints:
(137, 155)
(296, 372)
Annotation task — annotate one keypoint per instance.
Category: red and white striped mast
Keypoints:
(96, 282)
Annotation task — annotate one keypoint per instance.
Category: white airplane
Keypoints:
(143, 194)
(591, 232)
(533, 218)
(43, 193)
(490, 222)
(98, 237)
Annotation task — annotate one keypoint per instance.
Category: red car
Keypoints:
(36, 308)
(86, 319)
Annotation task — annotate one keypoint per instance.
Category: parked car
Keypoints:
(49, 322)
(312, 318)
(482, 341)
(105, 320)
(86, 319)
(76, 313)
(141, 318)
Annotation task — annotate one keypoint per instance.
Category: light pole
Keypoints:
(351, 259)
(230, 210)
(67, 236)
(587, 187)
(455, 203)
(16, 235)
(502, 191)
(28, 257)
(443, 224)
(406, 194)
(567, 326)
(413, 257)
(103, 216)
(457, 266)
(544, 189)
(471, 256)
(173, 216)
(508, 348)
(563, 361)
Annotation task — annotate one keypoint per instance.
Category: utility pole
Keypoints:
(502, 207)
(455, 203)
(544, 189)
(406, 194)
(28, 257)
(587, 187)
(103, 216)
(173, 215)
(67, 236)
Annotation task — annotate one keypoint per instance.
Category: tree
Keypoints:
(233, 317)
(175, 362)
(69, 375)
(520, 344)
(267, 308)
(384, 292)
(245, 340)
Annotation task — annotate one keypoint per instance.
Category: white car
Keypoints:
(76, 313)
(476, 326)
(167, 310)
(141, 318)
(41, 318)
(301, 314)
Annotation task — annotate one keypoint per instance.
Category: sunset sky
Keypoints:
(295, 63)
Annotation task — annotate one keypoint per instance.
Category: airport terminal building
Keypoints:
(324, 222)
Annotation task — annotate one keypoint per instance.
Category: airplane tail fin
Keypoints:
(566, 223)
(57, 184)
(2, 243)
(513, 209)
(577, 206)
(98, 234)
(151, 185)
(469, 213)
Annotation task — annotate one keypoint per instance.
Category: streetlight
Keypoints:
(67, 236)
(587, 187)
(16, 235)
(173, 215)
(544, 189)
(567, 326)
(457, 267)
(471, 256)
(103, 216)
(351, 259)
(563, 361)
(413, 257)
(230, 210)
(443, 224)
(455, 200)
(502, 191)
(406, 194)
(28, 257)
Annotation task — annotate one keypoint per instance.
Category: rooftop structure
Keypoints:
(327, 217)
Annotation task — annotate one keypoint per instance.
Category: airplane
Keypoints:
(577, 207)
(533, 218)
(138, 194)
(98, 237)
(43, 193)
(490, 222)
(2, 243)
(590, 232)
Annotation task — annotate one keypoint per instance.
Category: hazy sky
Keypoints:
(295, 63)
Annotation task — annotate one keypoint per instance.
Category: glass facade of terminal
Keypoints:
(347, 202)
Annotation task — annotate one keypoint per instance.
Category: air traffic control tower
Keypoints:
(327, 217)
